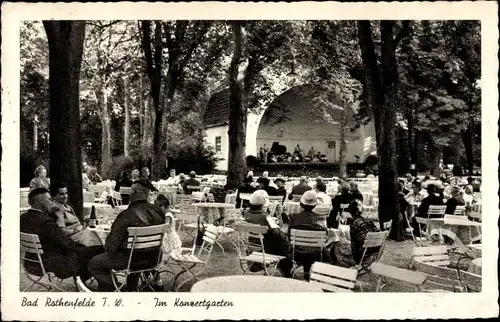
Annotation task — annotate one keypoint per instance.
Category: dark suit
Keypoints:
(299, 189)
(356, 195)
(452, 204)
(61, 255)
(431, 200)
(138, 214)
(344, 198)
(189, 182)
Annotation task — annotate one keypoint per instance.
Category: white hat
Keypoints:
(322, 209)
(309, 198)
(259, 197)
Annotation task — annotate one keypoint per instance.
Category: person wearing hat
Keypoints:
(307, 219)
(139, 213)
(190, 182)
(280, 190)
(300, 188)
(275, 241)
(264, 185)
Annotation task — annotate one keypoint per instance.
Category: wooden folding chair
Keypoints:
(296, 198)
(383, 271)
(143, 239)
(188, 220)
(309, 239)
(436, 211)
(278, 199)
(182, 199)
(190, 260)
(116, 198)
(434, 255)
(438, 284)
(459, 211)
(332, 278)
(251, 248)
(30, 244)
(272, 206)
(194, 188)
(372, 240)
(197, 196)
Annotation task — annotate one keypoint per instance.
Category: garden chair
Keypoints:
(182, 199)
(142, 238)
(187, 219)
(194, 188)
(278, 199)
(372, 240)
(309, 239)
(433, 255)
(116, 198)
(251, 248)
(296, 198)
(459, 211)
(191, 262)
(436, 211)
(244, 196)
(273, 205)
(332, 278)
(384, 271)
(197, 196)
(342, 216)
(30, 244)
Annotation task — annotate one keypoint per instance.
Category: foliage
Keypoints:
(119, 164)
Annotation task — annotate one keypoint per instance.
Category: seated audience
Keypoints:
(123, 181)
(40, 180)
(172, 179)
(61, 255)
(86, 182)
(135, 175)
(359, 229)
(94, 176)
(65, 216)
(300, 188)
(280, 191)
(455, 200)
(140, 213)
(180, 185)
(264, 185)
(323, 198)
(245, 188)
(275, 241)
(307, 219)
(468, 195)
(433, 199)
(190, 182)
(355, 193)
(343, 198)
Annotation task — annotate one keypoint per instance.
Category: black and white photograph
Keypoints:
(241, 155)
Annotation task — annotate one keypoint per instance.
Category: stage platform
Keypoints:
(310, 169)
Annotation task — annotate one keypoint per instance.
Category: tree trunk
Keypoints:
(126, 126)
(437, 154)
(106, 159)
(343, 144)
(35, 133)
(382, 94)
(65, 39)
(141, 108)
(469, 151)
(237, 112)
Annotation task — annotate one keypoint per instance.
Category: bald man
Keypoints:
(300, 188)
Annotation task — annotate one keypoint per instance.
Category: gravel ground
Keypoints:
(395, 253)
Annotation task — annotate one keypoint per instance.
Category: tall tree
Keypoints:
(381, 82)
(65, 39)
(168, 48)
(237, 110)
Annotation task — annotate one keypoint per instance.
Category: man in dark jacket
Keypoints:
(300, 188)
(344, 198)
(190, 182)
(355, 193)
(455, 200)
(433, 199)
(140, 213)
(264, 185)
(61, 255)
(280, 191)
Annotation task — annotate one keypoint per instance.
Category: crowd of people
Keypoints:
(274, 155)
(66, 255)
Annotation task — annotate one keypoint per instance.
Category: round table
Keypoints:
(212, 210)
(252, 283)
(92, 236)
(466, 230)
(476, 266)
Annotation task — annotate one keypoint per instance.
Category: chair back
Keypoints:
(436, 211)
(194, 188)
(272, 207)
(188, 216)
(182, 199)
(296, 197)
(332, 278)
(434, 255)
(30, 243)
(232, 216)
(459, 210)
(372, 240)
(435, 283)
(197, 196)
(125, 190)
(250, 233)
(244, 196)
(387, 225)
(24, 199)
(278, 199)
(308, 238)
(143, 238)
(209, 239)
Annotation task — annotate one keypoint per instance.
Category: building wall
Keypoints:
(303, 123)
(211, 134)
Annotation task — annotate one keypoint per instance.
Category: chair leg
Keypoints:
(379, 283)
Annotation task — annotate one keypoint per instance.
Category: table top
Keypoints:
(477, 262)
(213, 205)
(252, 283)
(96, 204)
